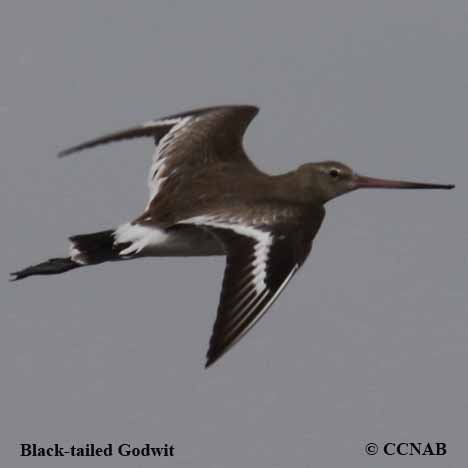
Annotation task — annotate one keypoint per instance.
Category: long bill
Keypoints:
(370, 182)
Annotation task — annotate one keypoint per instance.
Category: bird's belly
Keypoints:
(186, 241)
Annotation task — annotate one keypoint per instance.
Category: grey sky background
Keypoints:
(370, 340)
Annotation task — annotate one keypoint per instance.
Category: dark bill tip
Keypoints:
(370, 182)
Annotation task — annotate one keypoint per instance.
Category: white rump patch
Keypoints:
(139, 236)
(263, 241)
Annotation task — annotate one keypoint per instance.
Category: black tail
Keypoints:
(87, 249)
(95, 248)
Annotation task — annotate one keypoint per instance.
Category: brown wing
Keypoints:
(186, 141)
(260, 262)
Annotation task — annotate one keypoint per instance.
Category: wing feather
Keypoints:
(186, 141)
(261, 260)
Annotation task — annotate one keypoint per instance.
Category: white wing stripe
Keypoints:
(262, 248)
(249, 307)
(246, 302)
(162, 152)
(245, 308)
(264, 309)
(154, 168)
(161, 123)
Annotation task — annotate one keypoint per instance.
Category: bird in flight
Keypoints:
(208, 198)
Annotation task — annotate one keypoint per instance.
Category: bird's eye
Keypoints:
(334, 173)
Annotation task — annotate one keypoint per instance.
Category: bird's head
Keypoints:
(324, 181)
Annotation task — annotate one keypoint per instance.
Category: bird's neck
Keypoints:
(289, 187)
